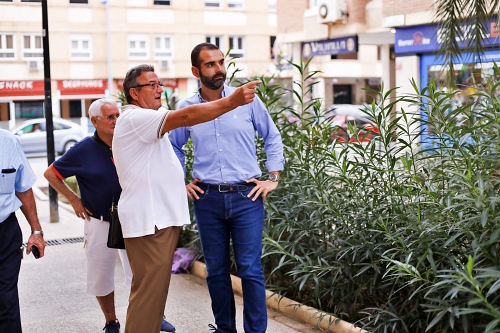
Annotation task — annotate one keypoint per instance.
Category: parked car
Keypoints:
(343, 114)
(33, 137)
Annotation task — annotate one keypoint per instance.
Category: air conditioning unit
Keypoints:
(164, 64)
(331, 11)
(34, 65)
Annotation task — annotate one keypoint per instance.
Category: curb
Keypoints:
(290, 308)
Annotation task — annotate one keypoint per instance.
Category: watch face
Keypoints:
(273, 177)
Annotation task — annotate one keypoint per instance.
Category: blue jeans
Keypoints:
(225, 217)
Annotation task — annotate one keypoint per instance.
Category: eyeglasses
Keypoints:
(111, 117)
(152, 85)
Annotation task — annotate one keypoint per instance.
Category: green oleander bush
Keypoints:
(393, 234)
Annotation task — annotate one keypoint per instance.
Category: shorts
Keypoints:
(101, 260)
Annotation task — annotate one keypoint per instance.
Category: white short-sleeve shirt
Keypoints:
(150, 174)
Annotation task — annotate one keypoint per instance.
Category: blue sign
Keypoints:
(330, 47)
(427, 38)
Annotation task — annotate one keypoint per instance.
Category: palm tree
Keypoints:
(454, 17)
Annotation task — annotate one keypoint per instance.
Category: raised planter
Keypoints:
(290, 308)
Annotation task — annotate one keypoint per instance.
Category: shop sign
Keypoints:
(82, 87)
(22, 88)
(428, 38)
(330, 47)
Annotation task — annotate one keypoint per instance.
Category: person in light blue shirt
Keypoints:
(16, 180)
(227, 193)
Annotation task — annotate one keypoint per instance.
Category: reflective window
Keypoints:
(7, 47)
(81, 47)
(237, 46)
(216, 40)
(162, 2)
(213, 3)
(138, 46)
(32, 46)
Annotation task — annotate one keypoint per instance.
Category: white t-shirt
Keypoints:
(150, 174)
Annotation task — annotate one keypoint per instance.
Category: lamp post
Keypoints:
(109, 93)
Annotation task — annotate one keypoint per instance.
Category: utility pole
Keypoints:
(54, 205)
(108, 46)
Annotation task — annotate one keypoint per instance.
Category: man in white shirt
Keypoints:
(153, 205)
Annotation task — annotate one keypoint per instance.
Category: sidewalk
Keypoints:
(53, 289)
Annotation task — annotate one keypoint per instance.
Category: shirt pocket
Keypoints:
(8, 180)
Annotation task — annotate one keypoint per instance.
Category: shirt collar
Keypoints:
(203, 101)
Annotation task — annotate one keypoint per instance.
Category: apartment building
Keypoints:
(85, 65)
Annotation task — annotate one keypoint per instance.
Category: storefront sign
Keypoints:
(82, 87)
(427, 38)
(22, 88)
(330, 47)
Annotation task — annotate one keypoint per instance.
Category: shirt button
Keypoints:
(220, 149)
(222, 167)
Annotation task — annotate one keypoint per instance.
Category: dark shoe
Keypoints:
(213, 328)
(112, 326)
(166, 326)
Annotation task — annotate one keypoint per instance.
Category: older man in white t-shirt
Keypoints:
(153, 204)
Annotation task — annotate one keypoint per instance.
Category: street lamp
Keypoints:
(109, 92)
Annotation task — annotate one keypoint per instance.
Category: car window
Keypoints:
(32, 128)
(59, 126)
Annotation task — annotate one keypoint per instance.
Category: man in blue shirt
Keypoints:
(228, 196)
(16, 181)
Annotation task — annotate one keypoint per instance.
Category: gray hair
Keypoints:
(95, 107)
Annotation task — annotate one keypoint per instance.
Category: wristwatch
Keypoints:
(274, 177)
(37, 232)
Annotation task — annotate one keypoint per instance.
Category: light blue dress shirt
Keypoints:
(224, 148)
(15, 174)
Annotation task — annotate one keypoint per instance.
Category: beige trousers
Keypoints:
(151, 259)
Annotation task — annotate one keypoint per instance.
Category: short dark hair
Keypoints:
(195, 54)
(130, 80)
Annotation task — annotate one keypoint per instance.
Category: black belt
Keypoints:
(238, 187)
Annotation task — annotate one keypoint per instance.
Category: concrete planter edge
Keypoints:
(291, 308)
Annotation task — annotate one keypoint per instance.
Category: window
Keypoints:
(271, 4)
(163, 47)
(6, 0)
(273, 41)
(212, 3)
(31, 0)
(7, 46)
(81, 47)
(236, 4)
(80, 1)
(32, 46)
(138, 47)
(162, 2)
(313, 3)
(237, 46)
(216, 40)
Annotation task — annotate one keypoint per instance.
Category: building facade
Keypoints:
(360, 44)
(86, 65)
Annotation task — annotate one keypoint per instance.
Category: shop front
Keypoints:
(344, 76)
(419, 45)
(21, 99)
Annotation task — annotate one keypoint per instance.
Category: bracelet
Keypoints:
(37, 232)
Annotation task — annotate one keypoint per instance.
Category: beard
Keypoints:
(213, 82)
